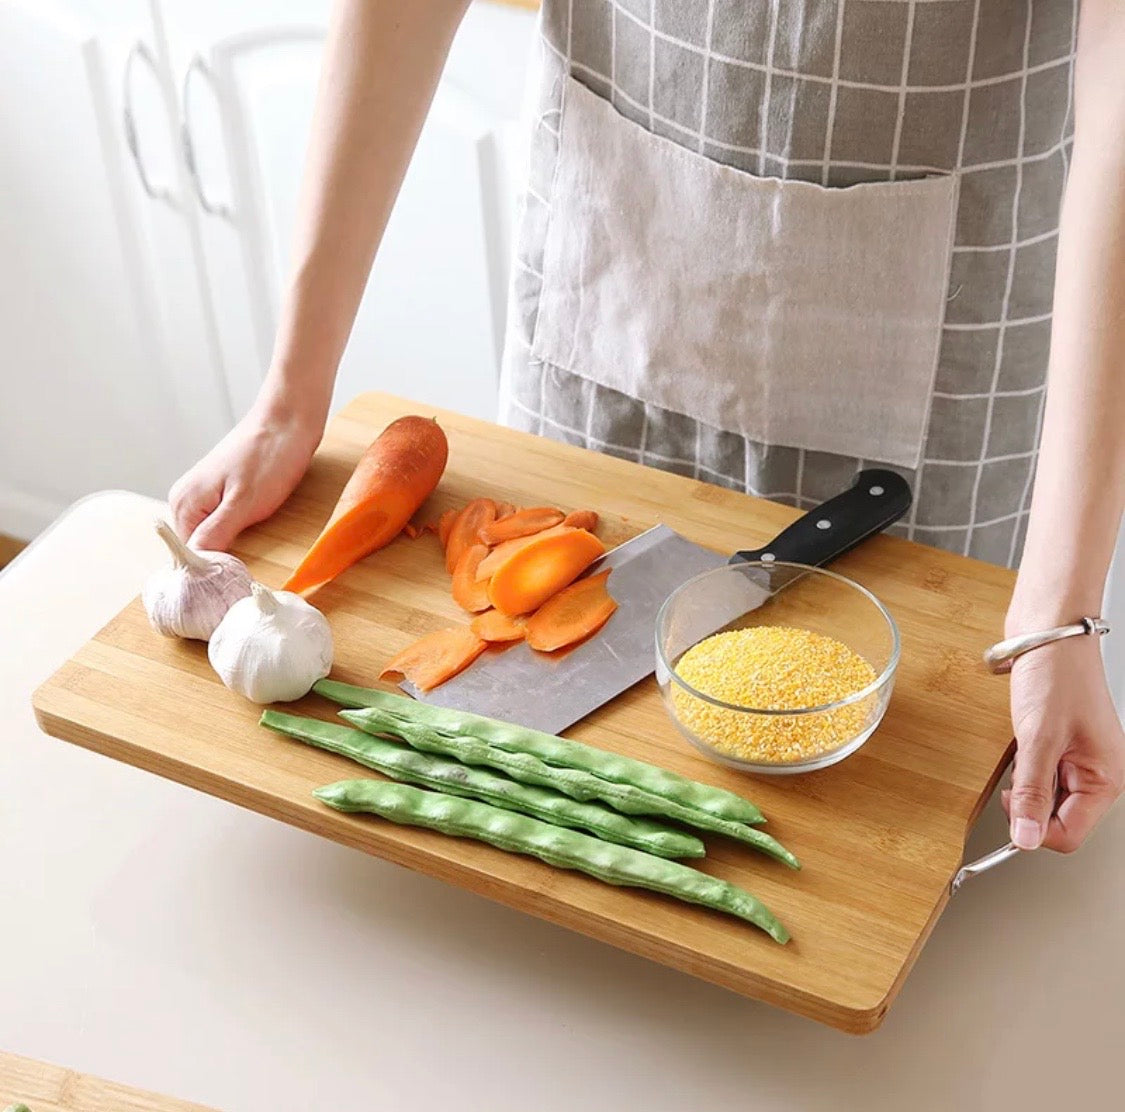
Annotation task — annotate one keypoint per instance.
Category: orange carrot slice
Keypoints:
(503, 510)
(411, 530)
(466, 529)
(520, 524)
(502, 551)
(436, 657)
(444, 525)
(541, 569)
(494, 626)
(467, 592)
(572, 615)
(392, 479)
(582, 519)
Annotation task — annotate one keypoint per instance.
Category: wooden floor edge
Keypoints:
(10, 548)
(37, 1084)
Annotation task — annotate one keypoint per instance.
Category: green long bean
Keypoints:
(566, 849)
(552, 750)
(576, 783)
(447, 775)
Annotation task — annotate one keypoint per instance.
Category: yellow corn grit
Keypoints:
(773, 668)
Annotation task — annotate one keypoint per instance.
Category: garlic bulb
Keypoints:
(271, 647)
(190, 598)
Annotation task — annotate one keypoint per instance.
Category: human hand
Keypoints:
(246, 476)
(1070, 745)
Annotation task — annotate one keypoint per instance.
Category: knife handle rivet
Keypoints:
(824, 523)
(876, 491)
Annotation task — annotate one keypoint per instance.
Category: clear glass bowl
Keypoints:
(760, 593)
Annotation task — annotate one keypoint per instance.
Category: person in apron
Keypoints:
(765, 243)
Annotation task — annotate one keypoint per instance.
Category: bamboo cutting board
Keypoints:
(880, 834)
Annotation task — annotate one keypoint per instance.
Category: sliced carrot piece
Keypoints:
(411, 530)
(466, 529)
(494, 626)
(444, 525)
(541, 569)
(503, 510)
(582, 519)
(502, 551)
(572, 615)
(520, 524)
(467, 592)
(436, 658)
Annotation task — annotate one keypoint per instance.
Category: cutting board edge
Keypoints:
(360, 835)
(947, 893)
(993, 782)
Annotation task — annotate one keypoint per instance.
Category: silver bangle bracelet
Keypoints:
(1000, 656)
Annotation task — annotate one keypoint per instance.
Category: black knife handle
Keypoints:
(878, 498)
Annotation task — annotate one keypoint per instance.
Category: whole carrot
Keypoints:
(392, 479)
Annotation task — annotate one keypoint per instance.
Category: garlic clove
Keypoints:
(191, 597)
(265, 598)
(271, 647)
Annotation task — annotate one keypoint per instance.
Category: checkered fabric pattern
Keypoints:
(838, 92)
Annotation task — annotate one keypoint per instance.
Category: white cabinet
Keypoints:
(431, 323)
(90, 397)
(138, 297)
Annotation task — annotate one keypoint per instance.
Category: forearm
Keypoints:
(382, 62)
(1080, 482)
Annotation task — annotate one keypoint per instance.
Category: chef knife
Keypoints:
(549, 693)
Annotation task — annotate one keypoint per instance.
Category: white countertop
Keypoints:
(171, 941)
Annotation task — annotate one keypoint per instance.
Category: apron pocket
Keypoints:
(783, 311)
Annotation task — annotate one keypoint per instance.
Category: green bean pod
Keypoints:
(447, 775)
(552, 750)
(565, 849)
(576, 783)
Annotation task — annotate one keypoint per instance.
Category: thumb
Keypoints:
(1032, 798)
(216, 531)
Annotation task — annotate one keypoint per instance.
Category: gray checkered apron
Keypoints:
(836, 93)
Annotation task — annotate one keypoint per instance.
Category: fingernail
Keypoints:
(1026, 833)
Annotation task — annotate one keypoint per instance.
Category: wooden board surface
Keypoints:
(880, 834)
(46, 1088)
(10, 548)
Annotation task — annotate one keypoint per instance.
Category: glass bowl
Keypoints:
(782, 735)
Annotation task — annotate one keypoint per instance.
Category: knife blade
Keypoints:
(550, 691)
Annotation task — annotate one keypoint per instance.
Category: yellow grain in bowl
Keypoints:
(772, 668)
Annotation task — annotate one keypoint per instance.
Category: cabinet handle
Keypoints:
(198, 65)
(140, 52)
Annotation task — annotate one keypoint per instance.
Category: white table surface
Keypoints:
(171, 941)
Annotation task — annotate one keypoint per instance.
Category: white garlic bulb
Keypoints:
(271, 647)
(191, 597)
